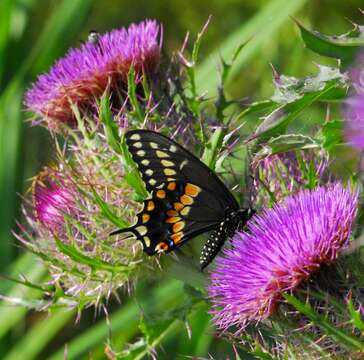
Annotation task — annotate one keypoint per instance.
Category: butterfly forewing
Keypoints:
(160, 159)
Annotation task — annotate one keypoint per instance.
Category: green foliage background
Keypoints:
(33, 33)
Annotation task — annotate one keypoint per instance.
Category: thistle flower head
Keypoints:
(73, 210)
(85, 73)
(52, 199)
(284, 245)
(286, 173)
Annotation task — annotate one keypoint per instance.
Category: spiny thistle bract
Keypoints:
(84, 74)
(73, 210)
(279, 175)
(283, 247)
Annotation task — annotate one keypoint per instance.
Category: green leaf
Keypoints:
(343, 47)
(326, 85)
(331, 134)
(284, 143)
(289, 89)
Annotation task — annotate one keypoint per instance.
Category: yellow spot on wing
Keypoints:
(169, 172)
(135, 137)
(142, 230)
(185, 211)
(140, 153)
(161, 154)
(153, 145)
(145, 162)
(147, 241)
(167, 163)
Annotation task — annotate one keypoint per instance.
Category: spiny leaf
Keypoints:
(326, 85)
(286, 143)
(288, 89)
(331, 134)
(343, 47)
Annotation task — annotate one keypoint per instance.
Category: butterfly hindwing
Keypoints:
(169, 217)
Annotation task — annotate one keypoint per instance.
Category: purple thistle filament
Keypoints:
(52, 200)
(284, 245)
(85, 73)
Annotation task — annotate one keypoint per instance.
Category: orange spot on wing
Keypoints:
(172, 220)
(177, 237)
(150, 205)
(178, 206)
(145, 218)
(192, 190)
(161, 194)
(171, 186)
(186, 200)
(178, 226)
(172, 213)
(161, 247)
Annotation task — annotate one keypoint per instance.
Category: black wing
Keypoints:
(187, 198)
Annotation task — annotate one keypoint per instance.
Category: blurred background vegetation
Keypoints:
(33, 33)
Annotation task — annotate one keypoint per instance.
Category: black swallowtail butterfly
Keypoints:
(186, 198)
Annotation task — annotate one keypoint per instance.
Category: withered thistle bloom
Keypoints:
(354, 105)
(84, 73)
(286, 173)
(354, 121)
(282, 248)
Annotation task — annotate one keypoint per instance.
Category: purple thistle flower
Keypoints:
(284, 245)
(354, 124)
(52, 199)
(85, 73)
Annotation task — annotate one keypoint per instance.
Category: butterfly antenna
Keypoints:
(120, 231)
